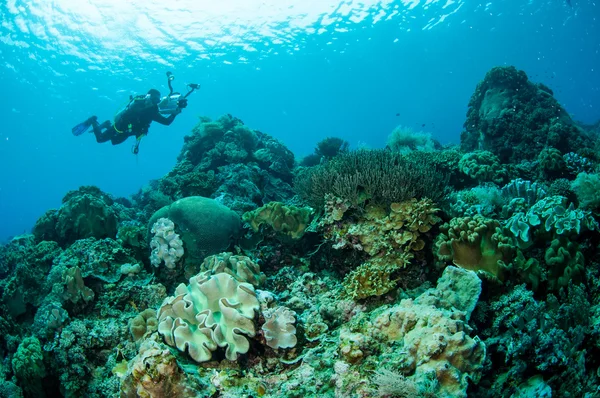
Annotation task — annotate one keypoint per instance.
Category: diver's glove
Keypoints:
(177, 111)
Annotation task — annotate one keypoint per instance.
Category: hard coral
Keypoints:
(206, 226)
(516, 119)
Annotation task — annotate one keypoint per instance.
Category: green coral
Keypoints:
(373, 176)
(565, 263)
(550, 217)
(587, 188)
(28, 365)
(552, 163)
(389, 237)
(516, 119)
(477, 244)
(482, 166)
(85, 213)
(289, 220)
(205, 226)
(374, 277)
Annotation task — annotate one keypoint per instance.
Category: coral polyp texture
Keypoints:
(166, 245)
(418, 270)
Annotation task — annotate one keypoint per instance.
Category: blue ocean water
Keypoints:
(297, 70)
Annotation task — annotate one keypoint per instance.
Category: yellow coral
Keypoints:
(385, 232)
(374, 277)
(290, 220)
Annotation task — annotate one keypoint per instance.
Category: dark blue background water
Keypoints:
(342, 68)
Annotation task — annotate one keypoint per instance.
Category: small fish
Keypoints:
(569, 3)
(397, 114)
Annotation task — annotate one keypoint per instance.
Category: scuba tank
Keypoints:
(134, 102)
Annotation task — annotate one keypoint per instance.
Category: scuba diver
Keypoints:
(134, 120)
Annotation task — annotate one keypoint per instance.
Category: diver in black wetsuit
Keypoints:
(135, 119)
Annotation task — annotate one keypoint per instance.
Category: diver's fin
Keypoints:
(83, 127)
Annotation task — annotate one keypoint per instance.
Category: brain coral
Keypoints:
(212, 311)
(206, 227)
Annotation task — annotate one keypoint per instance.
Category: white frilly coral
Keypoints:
(279, 328)
(166, 245)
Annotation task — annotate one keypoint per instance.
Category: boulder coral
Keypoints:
(205, 226)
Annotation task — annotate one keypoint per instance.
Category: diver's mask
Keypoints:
(152, 99)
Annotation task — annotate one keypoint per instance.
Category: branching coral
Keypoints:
(377, 176)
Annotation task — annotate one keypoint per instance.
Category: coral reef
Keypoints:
(516, 119)
(477, 244)
(419, 270)
(205, 226)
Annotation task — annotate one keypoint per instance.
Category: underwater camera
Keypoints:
(171, 102)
